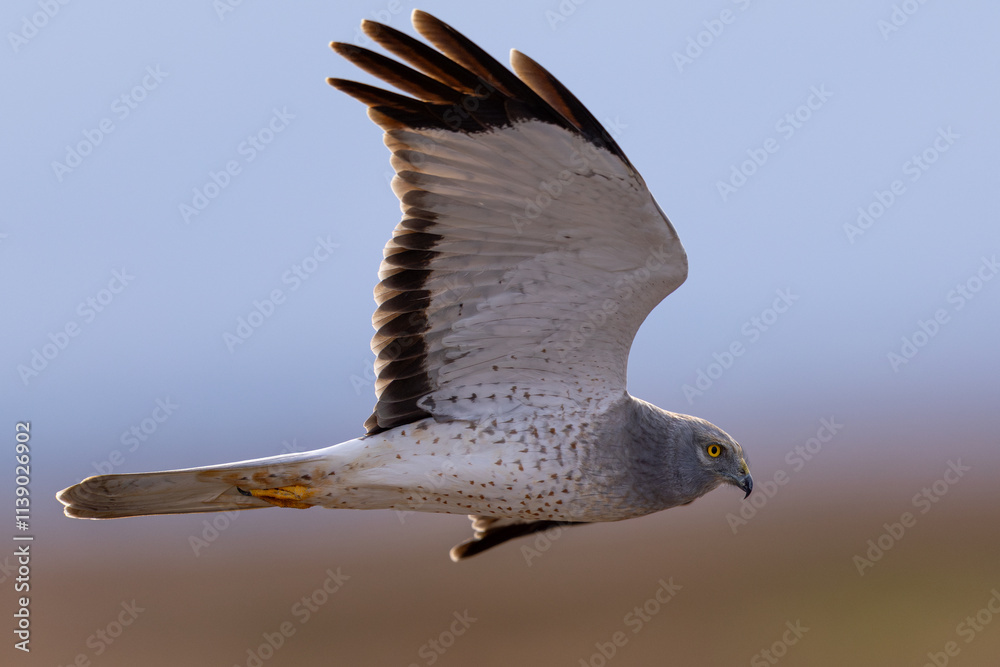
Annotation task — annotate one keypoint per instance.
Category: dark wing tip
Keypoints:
(444, 77)
(558, 96)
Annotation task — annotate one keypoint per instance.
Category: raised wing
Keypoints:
(530, 249)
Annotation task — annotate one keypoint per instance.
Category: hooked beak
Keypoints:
(745, 483)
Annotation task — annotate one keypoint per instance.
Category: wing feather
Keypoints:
(530, 249)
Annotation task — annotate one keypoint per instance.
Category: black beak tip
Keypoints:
(747, 485)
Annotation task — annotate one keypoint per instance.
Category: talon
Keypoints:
(283, 496)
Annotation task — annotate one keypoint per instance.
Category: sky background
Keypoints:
(764, 129)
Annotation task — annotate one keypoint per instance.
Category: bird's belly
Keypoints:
(528, 470)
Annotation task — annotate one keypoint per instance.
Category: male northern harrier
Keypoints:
(529, 253)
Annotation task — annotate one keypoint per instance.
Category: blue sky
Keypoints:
(831, 170)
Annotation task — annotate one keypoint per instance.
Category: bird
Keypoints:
(529, 252)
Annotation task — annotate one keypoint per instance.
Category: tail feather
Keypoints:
(207, 489)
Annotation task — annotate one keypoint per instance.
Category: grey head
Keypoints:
(712, 458)
(682, 457)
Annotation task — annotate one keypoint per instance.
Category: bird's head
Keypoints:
(718, 457)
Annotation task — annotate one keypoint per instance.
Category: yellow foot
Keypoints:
(284, 496)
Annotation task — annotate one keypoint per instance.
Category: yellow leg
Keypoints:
(283, 496)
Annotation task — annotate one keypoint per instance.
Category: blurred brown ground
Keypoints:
(791, 563)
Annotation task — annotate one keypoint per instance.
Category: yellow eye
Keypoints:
(714, 450)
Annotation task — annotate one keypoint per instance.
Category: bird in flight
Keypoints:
(529, 252)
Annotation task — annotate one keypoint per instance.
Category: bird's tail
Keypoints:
(285, 481)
